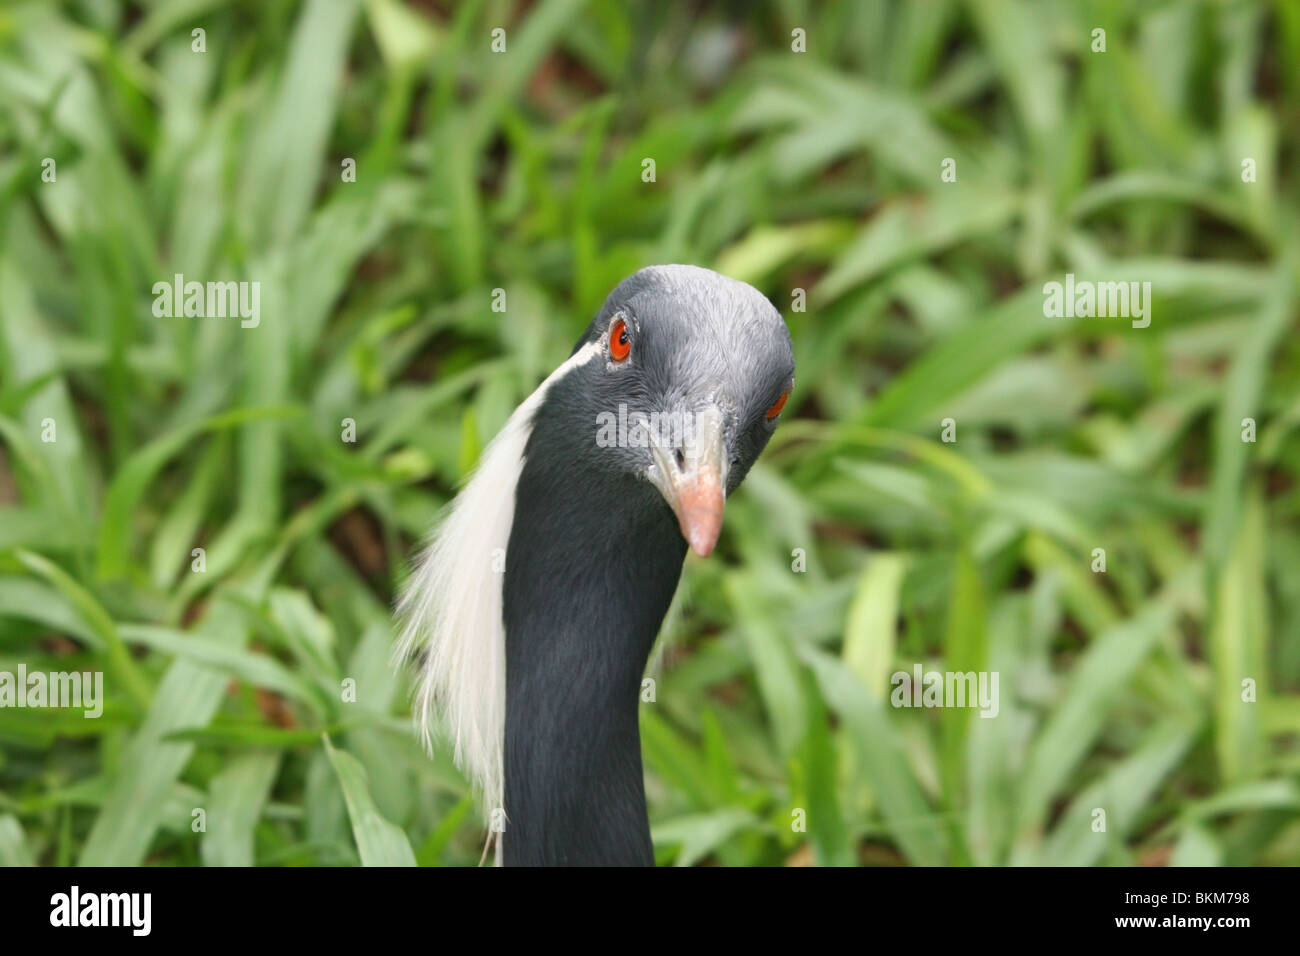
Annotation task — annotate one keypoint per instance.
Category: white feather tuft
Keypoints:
(452, 606)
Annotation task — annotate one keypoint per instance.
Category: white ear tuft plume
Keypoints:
(451, 610)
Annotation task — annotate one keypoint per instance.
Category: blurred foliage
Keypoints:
(522, 170)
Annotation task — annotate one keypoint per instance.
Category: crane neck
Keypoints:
(591, 567)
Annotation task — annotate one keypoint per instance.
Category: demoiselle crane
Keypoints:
(532, 613)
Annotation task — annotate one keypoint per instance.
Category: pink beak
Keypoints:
(699, 510)
(694, 483)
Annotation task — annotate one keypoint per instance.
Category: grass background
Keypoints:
(522, 170)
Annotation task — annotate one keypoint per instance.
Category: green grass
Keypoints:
(259, 690)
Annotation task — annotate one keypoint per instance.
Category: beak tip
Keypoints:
(700, 528)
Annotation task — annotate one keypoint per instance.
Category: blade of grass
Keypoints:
(236, 798)
(188, 696)
(910, 819)
(378, 842)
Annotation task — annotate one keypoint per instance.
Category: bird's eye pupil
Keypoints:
(622, 339)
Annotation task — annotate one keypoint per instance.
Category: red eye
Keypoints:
(780, 404)
(619, 344)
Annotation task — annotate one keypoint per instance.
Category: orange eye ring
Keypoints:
(620, 346)
(780, 404)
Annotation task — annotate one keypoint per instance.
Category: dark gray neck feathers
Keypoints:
(592, 564)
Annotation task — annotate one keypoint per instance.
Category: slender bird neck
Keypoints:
(591, 567)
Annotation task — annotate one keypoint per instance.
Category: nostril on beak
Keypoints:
(681, 458)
